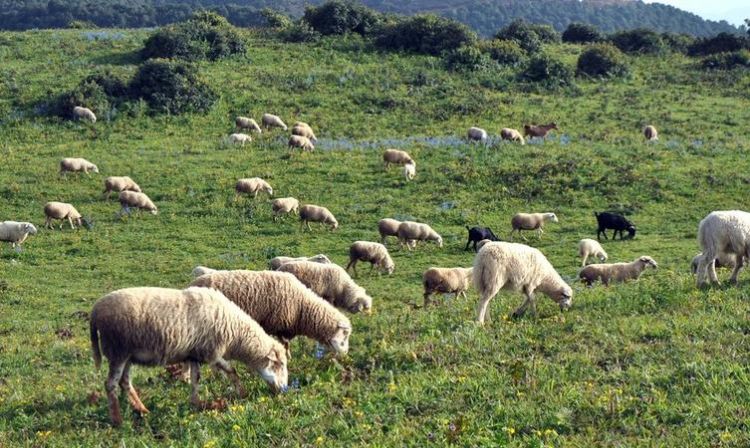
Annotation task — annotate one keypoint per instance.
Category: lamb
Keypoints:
(84, 113)
(138, 200)
(332, 283)
(304, 130)
(375, 253)
(650, 133)
(512, 135)
(723, 234)
(316, 213)
(607, 220)
(239, 138)
(409, 232)
(72, 164)
(272, 121)
(61, 211)
(247, 123)
(118, 184)
(616, 272)
(201, 270)
(159, 326)
(282, 206)
(531, 221)
(15, 233)
(410, 171)
(588, 247)
(283, 306)
(478, 234)
(397, 157)
(388, 227)
(276, 262)
(724, 260)
(517, 267)
(477, 134)
(253, 185)
(540, 131)
(447, 281)
(304, 143)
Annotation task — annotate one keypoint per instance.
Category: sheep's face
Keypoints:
(440, 241)
(154, 211)
(29, 228)
(334, 224)
(273, 369)
(320, 258)
(94, 169)
(389, 268)
(552, 217)
(269, 190)
(602, 256)
(339, 343)
(631, 232)
(78, 221)
(564, 297)
(648, 261)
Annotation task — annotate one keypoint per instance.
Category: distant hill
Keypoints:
(485, 16)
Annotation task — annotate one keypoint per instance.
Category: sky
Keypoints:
(733, 11)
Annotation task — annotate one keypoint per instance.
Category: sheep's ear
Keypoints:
(273, 356)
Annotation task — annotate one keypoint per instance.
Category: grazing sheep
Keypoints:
(253, 185)
(607, 220)
(447, 281)
(72, 164)
(517, 267)
(650, 133)
(304, 130)
(410, 171)
(724, 260)
(282, 206)
(615, 272)
(375, 253)
(396, 157)
(201, 270)
(409, 232)
(247, 123)
(272, 121)
(283, 306)
(540, 131)
(61, 211)
(388, 227)
(15, 233)
(138, 200)
(721, 234)
(239, 138)
(316, 213)
(118, 184)
(84, 113)
(512, 135)
(530, 221)
(304, 143)
(477, 234)
(159, 326)
(590, 248)
(331, 282)
(477, 134)
(276, 262)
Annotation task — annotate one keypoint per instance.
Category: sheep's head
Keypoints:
(334, 224)
(273, 368)
(94, 168)
(339, 343)
(320, 258)
(269, 190)
(563, 296)
(362, 302)
(439, 240)
(78, 220)
(390, 267)
(153, 211)
(29, 228)
(551, 217)
(631, 231)
(603, 256)
(647, 261)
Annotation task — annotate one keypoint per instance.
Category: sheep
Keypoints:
(722, 261)
(239, 138)
(540, 131)
(388, 227)
(332, 283)
(512, 135)
(247, 123)
(304, 130)
(253, 185)
(517, 267)
(283, 306)
(276, 262)
(616, 272)
(84, 113)
(159, 326)
(304, 143)
(482, 243)
(478, 234)
(409, 232)
(15, 233)
(61, 211)
(375, 253)
(118, 184)
(410, 171)
(138, 200)
(282, 206)
(477, 134)
(588, 247)
(447, 281)
(397, 157)
(272, 121)
(607, 220)
(316, 213)
(721, 234)
(530, 221)
(73, 164)
(201, 270)
(650, 133)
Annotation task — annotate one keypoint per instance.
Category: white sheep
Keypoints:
(616, 272)
(304, 130)
(282, 206)
(477, 134)
(77, 164)
(138, 200)
(374, 253)
(388, 227)
(409, 232)
(298, 141)
(118, 184)
(530, 221)
(590, 248)
(316, 213)
(650, 133)
(331, 282)
(61, 211)
(410, 171)
(512, 135)
(517, 267)
(158, 326)
(272, 121)
(239, 139)
(447, 281)
(253, 185)
(15, 233)
(723, 233)
(247, 123)
(396, 157)
(84, 113)
(276, 262)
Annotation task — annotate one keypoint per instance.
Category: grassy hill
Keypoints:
(654, 362)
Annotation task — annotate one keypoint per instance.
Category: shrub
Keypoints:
(341, 17)
(581, 33)
(602, 60)
(466, 58)
(545, 33)
(521, 33)
(99, 92)
(548, 71)
(81, 25)
(172, 87)
(721, 43)
(299, 32)
(504, 52)
(727, 61)
(425, 33)
(275, 19)
(640, 41)
(678, 42)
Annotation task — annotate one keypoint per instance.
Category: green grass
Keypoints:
(651, 363)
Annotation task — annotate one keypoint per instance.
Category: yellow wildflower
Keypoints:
(320, 440)
(392, 387)
(210, 444)
(509, 430)
(236, 428)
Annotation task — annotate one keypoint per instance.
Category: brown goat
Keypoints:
(531, 130)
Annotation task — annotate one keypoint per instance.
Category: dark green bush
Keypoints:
(341, 17)
(299, 32)
(602, 61)
(721, 43)
(426, 34)
(547, 71)
(504, 52)
(522, 33)
(172, 87)
(677, 42)
(466, 58)
(275, 19)
(581, 33)
(727, 61)
(99, 92)
(639, 41)
(545, 33)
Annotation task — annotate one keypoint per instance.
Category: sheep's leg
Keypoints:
(225, 367)
(351, 262)
(583, 263)
(711, 270)
(195, 375)
(70, 221)
(116, 368)
(483, 313)
(467, 245)
(539, 233)
(736, 271)
(521, 234)
(522, 309)
(47, 223)
(127, 386)
(427, 300)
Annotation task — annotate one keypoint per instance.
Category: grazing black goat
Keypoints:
(613, 221)
(477, 234)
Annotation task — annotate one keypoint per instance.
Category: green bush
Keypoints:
(426, 34)
(727, 61)
(529, 36)
(547, 71)
(602, 61)
(299, 32)
(275, 19)
(721, 43)
(341, 17)
(640, 41)
(504, 52)
(677, 42)
(172, 87)
(467, 58)
(581, 33)
(545, 33)
(99, 92)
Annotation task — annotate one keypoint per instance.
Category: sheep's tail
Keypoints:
(95, 350)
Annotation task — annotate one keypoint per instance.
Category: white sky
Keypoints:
(733, 11)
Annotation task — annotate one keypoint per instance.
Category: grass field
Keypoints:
(651, 363)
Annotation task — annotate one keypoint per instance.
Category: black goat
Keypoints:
(477, 234)
(613, 221)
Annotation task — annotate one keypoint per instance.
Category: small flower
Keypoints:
(392, 387)
(210, 444)
(43, 434)
(550, 433)
(348, 402)
(320, 440)
(358, 414)
(236, 428)
(60, 388)
(237, 408)
(509, 430)
(725, 436)
(461, 378)
(262, 399)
